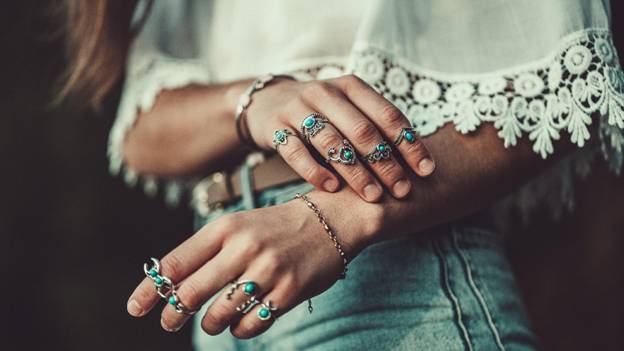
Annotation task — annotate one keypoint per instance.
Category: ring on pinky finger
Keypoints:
(408, 134)
(266, 310)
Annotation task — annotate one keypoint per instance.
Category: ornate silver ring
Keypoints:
(408, 134)
(280, 137)
(165, 287)
(382, 151)
(312, 124)
(345, 155)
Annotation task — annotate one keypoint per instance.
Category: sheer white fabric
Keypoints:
(542, 70)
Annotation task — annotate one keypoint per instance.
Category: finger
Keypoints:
(222, 312)
(283, 298)
(298, 157)
(177, 265)
(200, 286)
(390, 122)
(365, 137)
(359, 178)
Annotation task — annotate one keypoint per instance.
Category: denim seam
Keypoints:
(478, 293)
(454, 301)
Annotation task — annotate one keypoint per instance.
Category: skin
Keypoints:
(472, 171)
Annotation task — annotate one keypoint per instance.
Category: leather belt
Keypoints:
(223, 188)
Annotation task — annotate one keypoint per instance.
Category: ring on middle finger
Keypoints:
(313, 124)
(345, 155)
(382, 151)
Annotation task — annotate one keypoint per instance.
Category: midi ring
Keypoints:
(382, 151)
(250, 288)
(280, 137)
(313, 124)
(408, 134)
(265, 312)
(165, 287)
(344, 155)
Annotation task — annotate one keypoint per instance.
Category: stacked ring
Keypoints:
(382, 151)
(407, 134)
(280, 137)
(312, 124)
(165, 287)
(250, 288)
(345, 155)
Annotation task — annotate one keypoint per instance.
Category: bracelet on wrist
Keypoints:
(330, 233)
(242, 129)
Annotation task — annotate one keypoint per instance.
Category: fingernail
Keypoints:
(426, 166)
(331, 185)
(134, 308)
(165, 327)
(372, 192)
(401, 188)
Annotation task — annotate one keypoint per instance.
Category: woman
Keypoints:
(356, 83)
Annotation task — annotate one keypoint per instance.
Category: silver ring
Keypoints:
(345, 155)
(265, 312)
(312, 124)
(246, 306)
(382, 151)
(408, 134)
(165, 288)
(280, 137)
(250, 288)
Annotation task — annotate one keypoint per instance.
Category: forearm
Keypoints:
(186, 132)
(472, 172)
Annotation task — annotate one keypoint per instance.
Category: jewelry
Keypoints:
(409, 134)
(313, 124)
(346, 154)
(264, 313)
(165, 287)
(246, 306)
(243, 103)
(280, 137)
(250, 288)
(382, 152)
(330, 233)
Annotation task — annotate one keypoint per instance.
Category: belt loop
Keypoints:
(246, 180)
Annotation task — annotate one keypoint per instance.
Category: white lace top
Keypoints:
(536, 69)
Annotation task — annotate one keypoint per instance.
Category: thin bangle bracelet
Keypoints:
(242, 129)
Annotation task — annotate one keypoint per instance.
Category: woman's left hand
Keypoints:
(282, 248)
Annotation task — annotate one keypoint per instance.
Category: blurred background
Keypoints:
(74, 239)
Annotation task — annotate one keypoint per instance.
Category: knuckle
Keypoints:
(190, 293)
(215, 320)
(359, 178)
(314, 174)
(247, 328)
(390, 170)
(250, 247)
(317, 90)
(272, 264)
(172, 266)
(329, 139)
(391, 115)
(351, 80)
(365, 132)
(293, 153)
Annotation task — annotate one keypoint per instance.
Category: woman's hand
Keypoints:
(356, 114)
(282, 248)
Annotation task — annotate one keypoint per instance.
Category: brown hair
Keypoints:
(97, 35)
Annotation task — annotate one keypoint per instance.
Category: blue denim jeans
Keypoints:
(450, 288)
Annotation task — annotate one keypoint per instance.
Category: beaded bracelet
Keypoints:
(330, 233)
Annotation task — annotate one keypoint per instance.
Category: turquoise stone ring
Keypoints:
(345, 155)
(408, 134)
(265, 311)
(312, 124)
(280, 137)
(382, 151)
(165, 288)
(250, 288)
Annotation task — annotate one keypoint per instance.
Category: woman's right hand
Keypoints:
(357, 114)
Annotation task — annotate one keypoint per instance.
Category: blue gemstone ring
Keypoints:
(408, 134)
(382, 151)
(266, 310)
(312, 124)
(280, 137)
(250, 288)
(165, 287)
(345, 155)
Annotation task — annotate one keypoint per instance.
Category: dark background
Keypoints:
(74, 238)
